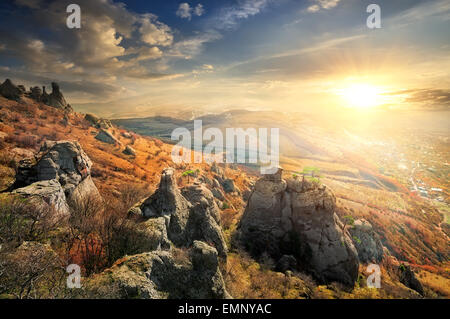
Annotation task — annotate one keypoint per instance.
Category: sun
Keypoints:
(362, 96)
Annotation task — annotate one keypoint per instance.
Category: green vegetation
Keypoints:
(188, 173)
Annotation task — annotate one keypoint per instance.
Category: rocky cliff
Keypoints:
(58, 174)
(190, 213)
(295, 217)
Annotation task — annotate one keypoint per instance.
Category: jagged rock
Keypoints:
(366, 241)
(159, 275)
(98, 122)
(45, 98)
(10, 91)
(106, 137)
(63, 161)
(190, 214)
(56, 98)
(228, 186)
(298, 218)
(126, 135)
(216, 169)
(129, 151)
(36, 93)
(49, 192)
(408, 278)
(218, 193)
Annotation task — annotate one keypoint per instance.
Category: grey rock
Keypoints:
(228, 186)
(366, 241)
(129, 151)
(298, 218)
(190, 214)
(56, 98)
(106, 137)
(218, 193)
(408, 278)
(49, 192)
(158, 275)
(10, 91)
(63, 161)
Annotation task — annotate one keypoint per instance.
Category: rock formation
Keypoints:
(408, 278)
(106, 137)
(10, 91)
(190, 214)
(367, 242)
(61, 164)
(159, 275)
(297, 218)
(98, 122)
(56, 98)
(129, 151)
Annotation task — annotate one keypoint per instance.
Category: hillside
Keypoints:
(410, 228)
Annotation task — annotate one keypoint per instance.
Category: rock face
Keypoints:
(408, 278)
(64, 163)
(56, 98)
(129, 151)
(10, 91)
(297, 218)
(367, 242)
(158, 275)
(49, 192)
(106, 137)
(191, 213)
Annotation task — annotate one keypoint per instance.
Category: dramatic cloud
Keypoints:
(185, 10)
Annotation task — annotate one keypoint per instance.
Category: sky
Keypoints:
(130, 58)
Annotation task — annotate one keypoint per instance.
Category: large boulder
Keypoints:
(367, 242)
(49, 192)
(106, 137)
(298, 218)
(408, 278)
(64, 162)
(160, 275)
(129, 151)
(10, 91)
(98, 122)
(191, 213)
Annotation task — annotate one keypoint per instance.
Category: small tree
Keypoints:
(348, 220)
(188, 173)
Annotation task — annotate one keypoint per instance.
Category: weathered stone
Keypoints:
(56, 98)
(49, 192)
(408, 278)
(366, 241)
(106, 137)
(292, 217)
(10, 91)
(158, 275)
(129, 151)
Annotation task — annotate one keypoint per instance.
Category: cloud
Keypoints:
(112, 44)
(230, 16)
(185, 10)
(432, 99)
(192, 46)
(322, 4)
(154, 32)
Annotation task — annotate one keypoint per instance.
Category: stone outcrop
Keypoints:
(56, 98)
(106, 137)
(98, 122)
(129, 151)
(64, 163)
(49, 192)
(294, 217)
(159, 275)
(408, 278)
(10, 91)
(190, 214)
(366, 241)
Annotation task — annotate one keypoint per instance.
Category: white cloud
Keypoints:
(185, 10)
(230, 16)
(154, 32)
(199, 10)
